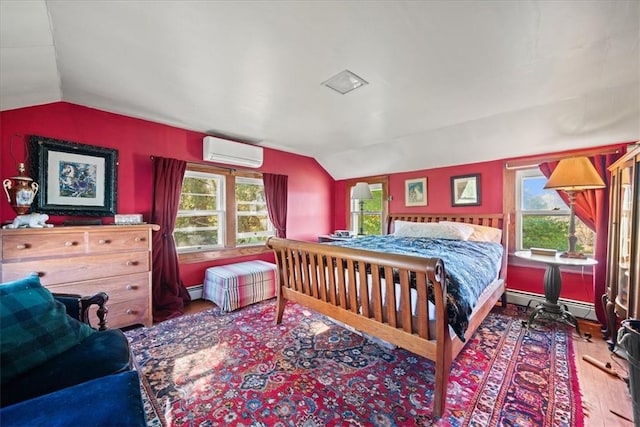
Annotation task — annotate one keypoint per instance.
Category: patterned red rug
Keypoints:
(240, 369)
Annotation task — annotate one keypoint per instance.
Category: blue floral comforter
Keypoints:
(470, 267)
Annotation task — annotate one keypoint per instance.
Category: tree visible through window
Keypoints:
(201, 213)
(205, 218)
(543, 217)
(372, 212)
(252, 223)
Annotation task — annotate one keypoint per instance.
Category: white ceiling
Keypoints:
(450, 82)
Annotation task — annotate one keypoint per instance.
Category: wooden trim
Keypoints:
(509, 205)
(230, 212)
(195, 257)
(200, 167)
(523, 162)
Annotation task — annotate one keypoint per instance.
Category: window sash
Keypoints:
(560, 210)
(258, 211)
(195, 232)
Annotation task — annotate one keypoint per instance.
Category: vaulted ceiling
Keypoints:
(449, 82)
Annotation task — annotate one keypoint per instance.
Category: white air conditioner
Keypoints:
(230, 152)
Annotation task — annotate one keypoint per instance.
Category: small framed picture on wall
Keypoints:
(465, 190)
(415, 192)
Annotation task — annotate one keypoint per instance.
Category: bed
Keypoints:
(412, 311)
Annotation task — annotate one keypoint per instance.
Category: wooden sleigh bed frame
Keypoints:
(303, 277)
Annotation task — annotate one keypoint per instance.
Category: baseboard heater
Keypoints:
(578, 308)
(195, 292)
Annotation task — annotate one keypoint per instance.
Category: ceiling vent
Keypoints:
(345, 81)
(231, 153)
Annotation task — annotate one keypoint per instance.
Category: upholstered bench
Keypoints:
(237, 285)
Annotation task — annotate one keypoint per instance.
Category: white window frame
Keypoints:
(270, 231)
(562, 210)
(220, 212)
(521, 175)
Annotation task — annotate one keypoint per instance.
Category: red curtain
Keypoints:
(592, 207)
(275, 190)
(169, 293)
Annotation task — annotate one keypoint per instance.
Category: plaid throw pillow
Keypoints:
(35, 327)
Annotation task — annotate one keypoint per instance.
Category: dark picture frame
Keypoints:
(75, 179)
(465, 190)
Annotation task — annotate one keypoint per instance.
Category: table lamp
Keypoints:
(361, 193)
(573, 175)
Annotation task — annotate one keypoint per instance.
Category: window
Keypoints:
(373, 211)
(542, 217)
(201, 213)
(252, 219)
(220, 210)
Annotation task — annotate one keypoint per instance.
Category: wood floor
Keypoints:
(601, 392)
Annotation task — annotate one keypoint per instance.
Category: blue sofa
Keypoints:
(57, 370)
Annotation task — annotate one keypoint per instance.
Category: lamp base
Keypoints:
(575, 255)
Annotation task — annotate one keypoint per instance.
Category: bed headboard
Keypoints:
(500, 221)
(489, 220)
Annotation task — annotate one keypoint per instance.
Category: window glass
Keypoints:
(252, 218)
(372, 212)
(201, 212)
(542, 217)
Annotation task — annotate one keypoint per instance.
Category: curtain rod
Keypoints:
(207, 165)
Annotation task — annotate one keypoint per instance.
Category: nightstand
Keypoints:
(332, 238)
(550, 309)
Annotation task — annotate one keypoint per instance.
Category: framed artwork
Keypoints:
(415, 192)
(465, 190)
(75, 179)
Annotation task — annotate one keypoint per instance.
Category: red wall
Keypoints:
(311, 188)
(575, 286)
(438, 191)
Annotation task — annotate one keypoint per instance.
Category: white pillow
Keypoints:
(481, 233)
(432, 230)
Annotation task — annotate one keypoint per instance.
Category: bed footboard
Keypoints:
(349, 285)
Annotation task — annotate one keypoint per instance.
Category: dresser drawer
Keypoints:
(124, 313)
(26, 246)
(129, 297)
(119, 288)
(132, 312)
(112, 241)
(87, 267)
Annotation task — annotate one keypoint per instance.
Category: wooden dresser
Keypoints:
(85, 260)
(622, 300)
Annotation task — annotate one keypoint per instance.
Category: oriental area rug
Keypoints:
(240, 369)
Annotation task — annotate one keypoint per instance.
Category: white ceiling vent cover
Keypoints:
(230, 152)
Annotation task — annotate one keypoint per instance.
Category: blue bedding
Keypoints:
(470, 267)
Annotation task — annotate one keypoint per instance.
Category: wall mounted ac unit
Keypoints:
(230, 152)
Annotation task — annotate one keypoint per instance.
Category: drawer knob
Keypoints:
(104, 242)
(139, 239)
(130, 311)
(21, 246)
(132, 263)
(37, 273)
(69, 244)
(131, 287)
